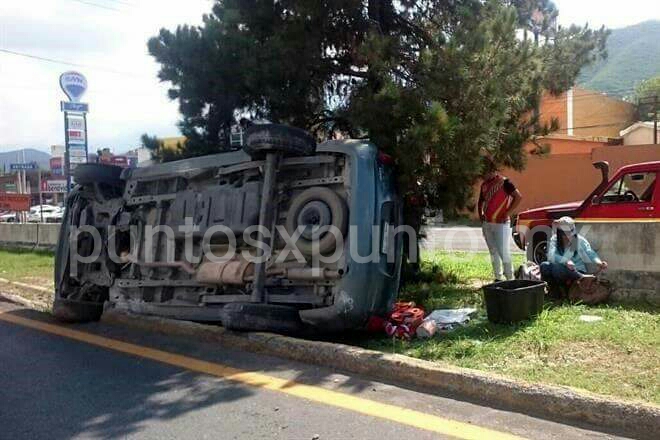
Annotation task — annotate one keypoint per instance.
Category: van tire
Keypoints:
(67, 310)
(89, 173)
(276, 138)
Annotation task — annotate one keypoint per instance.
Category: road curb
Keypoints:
(563, 404)
(26, 286)
(37, 305)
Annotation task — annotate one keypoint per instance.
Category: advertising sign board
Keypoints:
(14, 202)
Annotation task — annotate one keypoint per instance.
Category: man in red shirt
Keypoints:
(498, 200)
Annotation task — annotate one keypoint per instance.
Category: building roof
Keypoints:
(636, 126)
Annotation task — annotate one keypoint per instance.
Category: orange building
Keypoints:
(586, 113)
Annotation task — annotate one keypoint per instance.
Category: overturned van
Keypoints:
(281, 235)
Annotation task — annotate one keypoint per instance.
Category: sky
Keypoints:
(108, 38)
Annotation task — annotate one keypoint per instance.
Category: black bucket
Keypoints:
(514, 301)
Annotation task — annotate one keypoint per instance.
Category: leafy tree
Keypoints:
(648, 88)
(434, 83)
(536, 16)
(158, 150)
(647, 97)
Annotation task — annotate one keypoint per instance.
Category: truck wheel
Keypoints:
(87, 173)
(261, 317)
(276, 138)
(540, 250)
(317, 206)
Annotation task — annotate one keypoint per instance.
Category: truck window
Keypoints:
(630, 188)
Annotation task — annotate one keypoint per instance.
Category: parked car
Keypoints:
(632, 195)
(45, 214)
(8, 217)
(282, 178)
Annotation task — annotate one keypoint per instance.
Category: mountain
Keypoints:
(633, 56)
(31, 155)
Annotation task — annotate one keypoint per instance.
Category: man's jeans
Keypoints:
(498, 236)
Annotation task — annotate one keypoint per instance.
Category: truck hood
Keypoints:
(551, 211)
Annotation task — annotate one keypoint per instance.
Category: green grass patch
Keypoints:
(460, 267)
(25, 265)
(618, 356)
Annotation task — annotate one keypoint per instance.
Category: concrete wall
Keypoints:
(555, 179)
(29, 234)
(632, 251)
(619, 156)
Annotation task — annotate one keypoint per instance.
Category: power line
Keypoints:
(67, 63)
(586, 126)
(121, 2)
(109, 8)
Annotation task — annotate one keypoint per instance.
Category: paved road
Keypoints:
(457, 238)
(79, 382)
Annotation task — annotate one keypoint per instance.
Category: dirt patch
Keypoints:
(29, 294)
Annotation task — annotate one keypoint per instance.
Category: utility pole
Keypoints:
(646, 101)
(41, 198)
(655, 120)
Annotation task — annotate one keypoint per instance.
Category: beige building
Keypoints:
(586, 113)
(640, 133)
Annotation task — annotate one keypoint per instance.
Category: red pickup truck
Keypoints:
(632, 195)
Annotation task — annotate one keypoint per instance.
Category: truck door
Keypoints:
(632, 196)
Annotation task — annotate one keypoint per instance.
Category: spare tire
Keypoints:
(87, 173)
(277, 138)
(317, 206)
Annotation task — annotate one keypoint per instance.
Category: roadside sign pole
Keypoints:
(41, 198)
(85, 123)
(67, 155)
(24, 182)
(74, 85)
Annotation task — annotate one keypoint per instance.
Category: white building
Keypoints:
(640, 133)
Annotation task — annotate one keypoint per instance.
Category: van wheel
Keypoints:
(276, 138)
(67, 310)
(88, 173)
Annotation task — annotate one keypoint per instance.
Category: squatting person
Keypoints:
(498, 200)
(568, 255)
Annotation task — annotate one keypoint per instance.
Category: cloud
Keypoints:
(611, 14)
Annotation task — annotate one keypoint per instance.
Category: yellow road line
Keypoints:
(372, 408)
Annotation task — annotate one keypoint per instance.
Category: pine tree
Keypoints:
(433, 83)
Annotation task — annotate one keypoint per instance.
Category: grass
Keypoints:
(26, 266)
(617, 356)
(30, 267)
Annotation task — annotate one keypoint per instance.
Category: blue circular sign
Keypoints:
(73, 84)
